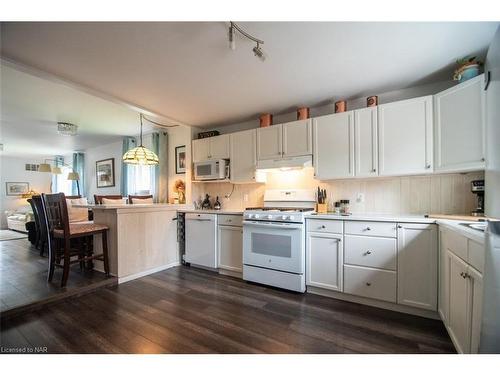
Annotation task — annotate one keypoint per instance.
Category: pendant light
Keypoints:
(141, 155)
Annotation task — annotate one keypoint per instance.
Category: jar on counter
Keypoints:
(344, 206)
(337, 208)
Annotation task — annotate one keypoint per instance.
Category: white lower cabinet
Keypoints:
(418, 265)
(230, 247)
(443, 298)
(370, 282)
(324, 260)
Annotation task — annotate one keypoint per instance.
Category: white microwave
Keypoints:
(211, 170)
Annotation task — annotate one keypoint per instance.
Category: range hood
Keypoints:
(296, 162)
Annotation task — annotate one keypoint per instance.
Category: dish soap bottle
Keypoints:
(217, 205)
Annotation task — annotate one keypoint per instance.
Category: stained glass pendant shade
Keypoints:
(140, 155)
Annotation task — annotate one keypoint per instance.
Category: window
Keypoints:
(62, 184)
(140, 179)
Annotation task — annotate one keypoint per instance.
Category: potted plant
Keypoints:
(468, 68)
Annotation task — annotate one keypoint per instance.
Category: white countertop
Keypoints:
(132, 206)
(402, 218)
(470, 233)
(219, 212)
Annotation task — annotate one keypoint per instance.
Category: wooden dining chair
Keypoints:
(63, 235)
(98, 198)
(130, 197)
(42, 236)
(36, 241)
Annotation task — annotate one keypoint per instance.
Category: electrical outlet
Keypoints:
(245, 197)
(360, 198)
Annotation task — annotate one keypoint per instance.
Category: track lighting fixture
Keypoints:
(232, 41)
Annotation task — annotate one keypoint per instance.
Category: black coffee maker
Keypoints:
(477, 187)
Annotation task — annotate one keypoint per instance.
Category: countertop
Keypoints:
(220, 212)
(470, 233)
(403, 218)
(165, 206)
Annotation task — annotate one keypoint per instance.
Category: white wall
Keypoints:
(13, 170)
(179, 136)
(112, 150)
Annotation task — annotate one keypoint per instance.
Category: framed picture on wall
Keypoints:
(17, 188)
(105, 173)
(180, 159)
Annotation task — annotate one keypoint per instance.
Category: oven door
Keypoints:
(277, 246)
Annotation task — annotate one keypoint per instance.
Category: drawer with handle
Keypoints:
(327, 226)
(235, 220)
(371, 228)
(370, 282)
(378, 252)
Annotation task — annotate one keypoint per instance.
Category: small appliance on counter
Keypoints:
(477, 187)
(211, 170)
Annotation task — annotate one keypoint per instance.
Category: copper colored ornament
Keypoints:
(372, 101)
(302, 113)
(340, 106)
(266, 120)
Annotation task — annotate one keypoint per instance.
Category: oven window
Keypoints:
(272, 244)
(204, 170)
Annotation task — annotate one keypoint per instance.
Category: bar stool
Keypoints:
(63, 235)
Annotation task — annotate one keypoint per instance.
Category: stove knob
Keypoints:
(290, 218)
(269, 217)
(284, 217)
(256, 216)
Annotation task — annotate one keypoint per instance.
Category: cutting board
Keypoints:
(457, 217)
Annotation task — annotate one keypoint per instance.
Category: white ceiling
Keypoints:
(187, 72)
(31, 107)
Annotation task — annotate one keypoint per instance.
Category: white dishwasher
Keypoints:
(201, 239)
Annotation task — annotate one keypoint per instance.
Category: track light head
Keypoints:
(257, 51)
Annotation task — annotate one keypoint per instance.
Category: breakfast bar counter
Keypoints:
(142, 238)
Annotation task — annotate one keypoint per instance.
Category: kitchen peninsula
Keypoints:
(142, 238)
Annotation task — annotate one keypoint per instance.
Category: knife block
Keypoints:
(321, 208)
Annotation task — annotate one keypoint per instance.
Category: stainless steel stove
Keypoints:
(274, 239)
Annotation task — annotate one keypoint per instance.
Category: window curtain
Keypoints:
(163, 168)
(79, 167)
(58, 162)
(128, 144)
(155, 175)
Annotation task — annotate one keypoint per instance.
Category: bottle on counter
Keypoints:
(217, 205)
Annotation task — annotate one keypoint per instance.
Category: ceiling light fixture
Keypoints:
(65, 128)
(142, 155)
(232, 41)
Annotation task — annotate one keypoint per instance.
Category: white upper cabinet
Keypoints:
(297, 138)
(418, 265)
(459, 127)
(405, 137)
(201, 149)
(284, 140)
(269, 142)
(365, 142)
(333, 145)
(243, 156)
(211, 148)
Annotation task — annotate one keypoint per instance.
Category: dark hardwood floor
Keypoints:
(186, 310)
(23, 276)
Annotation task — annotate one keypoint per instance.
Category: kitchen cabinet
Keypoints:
(370, 282)
(285, 140)
(461, 288)
(297, 138)
(365, 142)
(405, 137)
(230, 247)
(201, 239)
(459, 120)
(333, 145)
(443, 299)
(418, 265)
(270, 142)
(211, 148)
(324, 253)
(243, 156)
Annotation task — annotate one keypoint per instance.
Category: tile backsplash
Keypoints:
(439, 193)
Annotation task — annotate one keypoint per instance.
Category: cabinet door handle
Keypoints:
(322, 227)
(368, 252)
(482, 159)
(368, 284)
(400, 226)
(368, 228)
(374, 170)
(428, 166)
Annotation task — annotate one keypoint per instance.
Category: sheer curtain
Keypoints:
(56, 183)
(128, 143)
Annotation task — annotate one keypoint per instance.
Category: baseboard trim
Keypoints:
(134, 276)
(375, 303)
